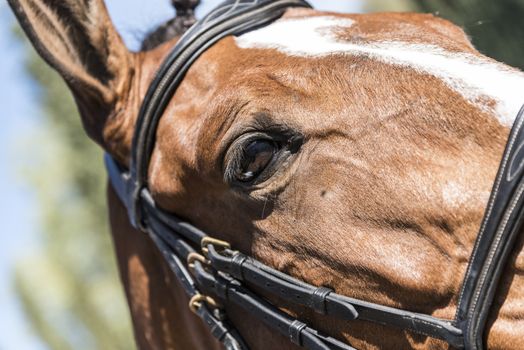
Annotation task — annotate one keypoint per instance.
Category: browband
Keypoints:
(215, 276)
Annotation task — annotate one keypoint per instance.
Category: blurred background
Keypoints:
(59, 287)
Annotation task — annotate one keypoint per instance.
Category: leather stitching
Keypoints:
(488, 212)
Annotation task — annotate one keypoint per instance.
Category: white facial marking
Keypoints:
(472, 76)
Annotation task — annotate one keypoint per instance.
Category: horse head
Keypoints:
(351, 151)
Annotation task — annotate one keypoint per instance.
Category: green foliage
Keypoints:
(390, 5)
(71, 290)
(495, 27)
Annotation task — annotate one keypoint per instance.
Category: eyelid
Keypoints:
(235, 151)
(287, 146)
(262, 123)
(241, 139)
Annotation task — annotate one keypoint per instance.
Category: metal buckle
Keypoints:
(196, 302)
(221, 245)
(192, 257)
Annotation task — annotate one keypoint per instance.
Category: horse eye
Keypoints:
(256, 156)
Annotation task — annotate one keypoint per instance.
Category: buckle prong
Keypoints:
(196, 301)
(221, 245)
(192, 257)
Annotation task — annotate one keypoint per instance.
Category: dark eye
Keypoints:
(255, 158)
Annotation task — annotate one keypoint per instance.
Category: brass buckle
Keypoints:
(192, 257)
(196, 302)
(221, 245)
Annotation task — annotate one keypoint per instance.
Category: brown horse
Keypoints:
(403, 125)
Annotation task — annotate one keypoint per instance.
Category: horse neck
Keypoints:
(159, 307)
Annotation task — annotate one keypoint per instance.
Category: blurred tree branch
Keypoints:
(495, 27)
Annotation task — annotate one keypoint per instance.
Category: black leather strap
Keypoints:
(229, 263)
(267, 313)
(318, 300)
(502, 223)
(175, 250)
(226, 272)
(281, 285)
(300, 293)
(218, 327)
(295, 332)
(231, 17)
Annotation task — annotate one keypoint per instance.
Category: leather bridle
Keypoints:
(214, 275)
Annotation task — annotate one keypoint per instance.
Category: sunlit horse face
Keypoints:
(350, 151)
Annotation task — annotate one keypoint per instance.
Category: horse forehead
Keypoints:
(367, 28)
(422, 43)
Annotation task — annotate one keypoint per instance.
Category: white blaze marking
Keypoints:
(472, 76)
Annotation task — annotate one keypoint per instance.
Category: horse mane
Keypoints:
(185, 18)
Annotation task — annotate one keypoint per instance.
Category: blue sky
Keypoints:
(20, 117)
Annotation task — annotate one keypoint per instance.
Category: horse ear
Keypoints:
(78, 40)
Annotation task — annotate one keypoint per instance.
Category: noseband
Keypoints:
(214, 275)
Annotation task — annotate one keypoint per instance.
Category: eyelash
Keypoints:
(234, 160)
(286, 145)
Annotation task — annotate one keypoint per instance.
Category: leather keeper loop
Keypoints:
(318, 299)
(221, 289)
(236, 266)
(218, 331)
(135, 211)
(295, 331)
